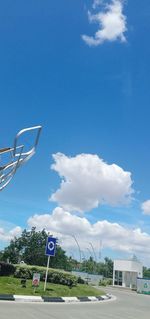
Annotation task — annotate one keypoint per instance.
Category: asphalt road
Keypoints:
(128, 305)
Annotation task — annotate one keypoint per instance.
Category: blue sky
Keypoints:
(91, 99)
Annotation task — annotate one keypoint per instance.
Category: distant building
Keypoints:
(125, 273)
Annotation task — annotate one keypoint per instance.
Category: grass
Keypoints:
(11, 285)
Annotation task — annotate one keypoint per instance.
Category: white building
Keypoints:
(125, 273)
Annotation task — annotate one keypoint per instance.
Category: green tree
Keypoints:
(89, 266)
(11, 253)
(101, 268)
(30, 247)
(60, 261)
(108, 267)
(146, 272)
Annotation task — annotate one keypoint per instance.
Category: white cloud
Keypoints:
(111, 21)
(88, 181)
(113, 235)
(146, 207)
(8, 235)
(97, 3)
(60, 221)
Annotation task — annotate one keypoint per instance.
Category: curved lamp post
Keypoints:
(93, 251)
(78, 247)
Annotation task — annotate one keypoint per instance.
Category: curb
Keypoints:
(24, 298)
(7, 297)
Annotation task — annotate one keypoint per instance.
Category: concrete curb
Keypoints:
(24, 298)
(7, 297)
(27, 298)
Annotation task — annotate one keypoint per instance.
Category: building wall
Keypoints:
(128, 265)
(125, 273)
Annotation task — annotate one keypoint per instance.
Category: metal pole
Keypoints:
(83, 258)
(46, 272)
(94, 256)
(78, 246)
(87, 262)
(100, 250)
(93, 251)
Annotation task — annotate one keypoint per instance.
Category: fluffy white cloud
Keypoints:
(146, 207)
(8, 235)
(113, 236)
(88, 181)
(112, 23)
(97, 3)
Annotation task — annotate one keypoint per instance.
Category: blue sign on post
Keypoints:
(50, 246)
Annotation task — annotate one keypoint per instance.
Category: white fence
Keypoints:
(90, 278)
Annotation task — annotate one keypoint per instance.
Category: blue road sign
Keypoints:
(50, 246)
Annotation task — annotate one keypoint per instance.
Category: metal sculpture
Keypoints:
(11, 158)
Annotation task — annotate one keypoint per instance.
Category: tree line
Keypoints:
(30, 248)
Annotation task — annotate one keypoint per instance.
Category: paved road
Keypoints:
(128, 305)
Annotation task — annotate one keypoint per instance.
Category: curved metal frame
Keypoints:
(17, 156)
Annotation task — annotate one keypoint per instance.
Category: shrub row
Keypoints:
(54, 276)
(106, 282)
(6, 269)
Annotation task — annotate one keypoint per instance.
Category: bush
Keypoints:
(54, 276)
(81, 281)
(6, 269)
(109, 281)
(23, 273)
(105, 282)
(61, 278)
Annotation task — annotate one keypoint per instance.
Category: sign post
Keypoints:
(50, 251)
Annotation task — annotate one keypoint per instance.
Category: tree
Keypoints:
(89, 266)
(60, 260)
(109, 267)
(11, 253)
(101, 268)
(1, 255)
(30, 247)
(146, 272)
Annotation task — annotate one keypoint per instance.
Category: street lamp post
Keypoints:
(84, 259)
(93, 251)
(94, 255)
(78, 247)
